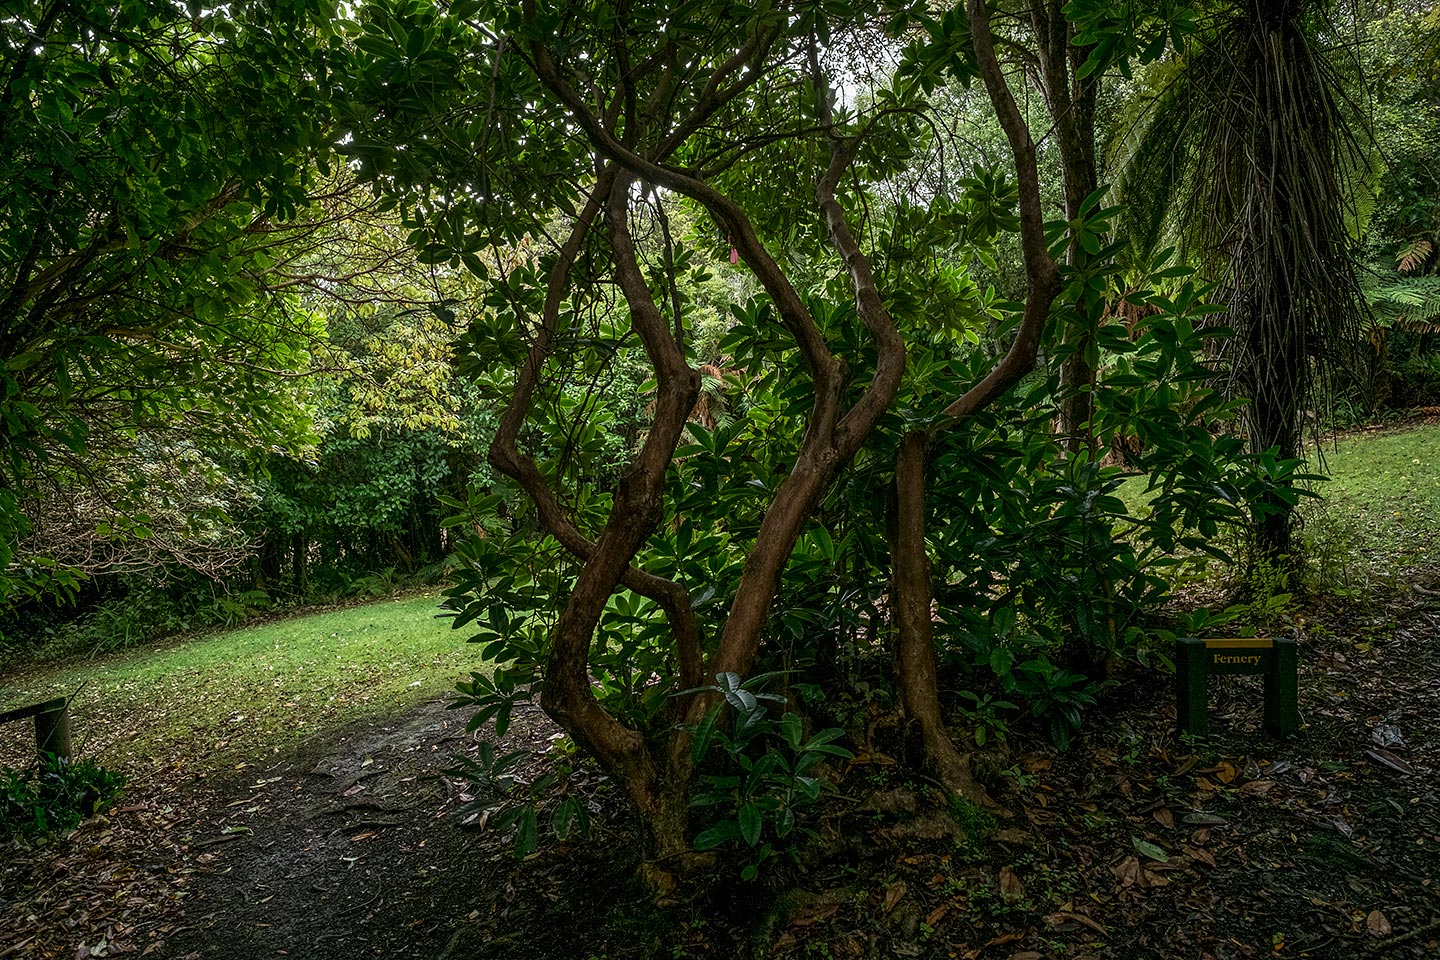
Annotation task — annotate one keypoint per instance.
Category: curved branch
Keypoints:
(727, 215)
(505, 456)
(1041, 271)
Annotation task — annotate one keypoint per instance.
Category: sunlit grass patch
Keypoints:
(1382, 499)
(212, 702)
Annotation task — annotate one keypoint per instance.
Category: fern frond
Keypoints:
(1404, 301)
(1413, 256)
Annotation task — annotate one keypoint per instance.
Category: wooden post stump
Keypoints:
(52, 725)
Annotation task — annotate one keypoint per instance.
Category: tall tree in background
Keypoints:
(1071, 88)
(1252, 152)
(147, 158)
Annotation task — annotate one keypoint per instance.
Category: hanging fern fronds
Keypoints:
(1257, 155)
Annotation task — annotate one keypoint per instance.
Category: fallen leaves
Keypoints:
(1134, 877)
(110, 889)
(1199, 853)
(1391, 762)
(1010, 886)
(894, 894)
(1060, 918)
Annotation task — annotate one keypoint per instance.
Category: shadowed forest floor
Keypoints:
(1131, 844)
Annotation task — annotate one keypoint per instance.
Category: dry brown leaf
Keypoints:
(1061, 916)
(1010, 886)
(894, 894)
(1199, 853)
(1128, 872)
(1257, 788)
(1164, 817)
(1225, 771)
(1186, 765)
(1376, 923)
(1013, 836)
(1387, 759)
(933, 918)
(815, 914)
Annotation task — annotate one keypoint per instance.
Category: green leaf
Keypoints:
(720, 833)
(525, 833)
(750, 823)
(1150, 850)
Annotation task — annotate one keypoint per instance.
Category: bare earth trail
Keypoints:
(1133, 844)
(351, 848)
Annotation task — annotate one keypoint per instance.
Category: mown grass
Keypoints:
(227, 699)
(1378, 515)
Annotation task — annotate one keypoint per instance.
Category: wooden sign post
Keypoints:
(1197, 660)
(52, 725)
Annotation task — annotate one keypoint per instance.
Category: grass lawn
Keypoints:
(1378, 514)
(1382, 502)
(228, 699)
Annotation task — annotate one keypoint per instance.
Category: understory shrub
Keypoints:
(54, 795)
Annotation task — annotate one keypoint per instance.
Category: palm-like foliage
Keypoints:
(1249, 157)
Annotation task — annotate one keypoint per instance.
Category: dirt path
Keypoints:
(347, 847)
(343, 850)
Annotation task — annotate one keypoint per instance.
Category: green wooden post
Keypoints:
(1190, 675)
(1282, 690)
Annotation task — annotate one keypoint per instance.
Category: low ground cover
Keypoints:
(1380, 512)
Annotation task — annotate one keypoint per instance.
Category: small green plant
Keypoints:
(54, 795)
(1267, 594)
(984, 716)
(503, 800)
(970, 817)
(1333, 562)
(1022, 780)
(765, 776)
(1051, 693)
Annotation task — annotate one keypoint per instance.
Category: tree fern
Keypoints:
(1251, 153)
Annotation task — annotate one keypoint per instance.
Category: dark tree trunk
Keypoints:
(911, 585)
(1071, 100)
(299, 571)
(910, 603)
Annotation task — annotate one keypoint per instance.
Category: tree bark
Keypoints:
(1070, 100)
(910, 602)
(911, 585)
